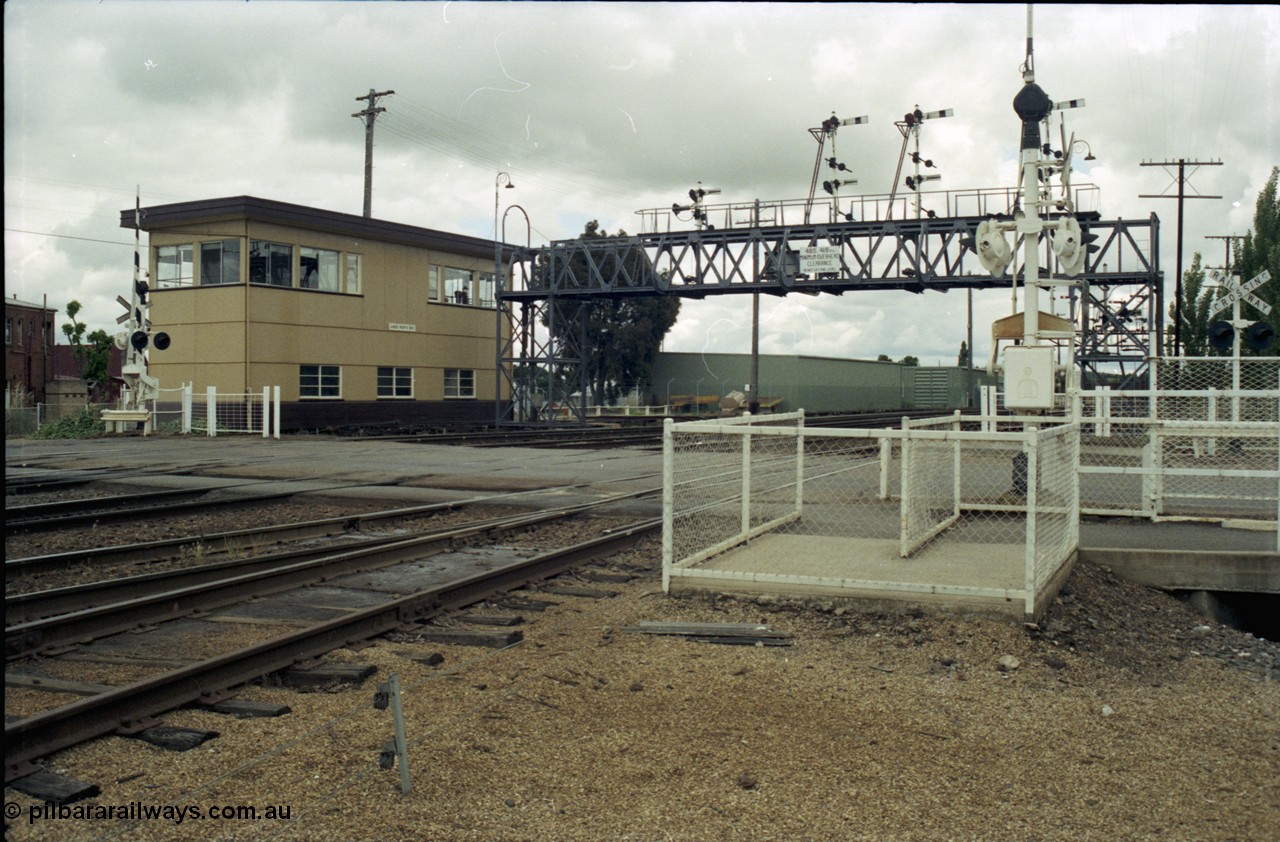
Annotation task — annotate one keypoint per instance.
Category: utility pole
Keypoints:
(369, 114)
(1182, 164)
(1227, 239)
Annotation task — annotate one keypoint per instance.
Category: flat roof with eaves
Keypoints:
(161, 217)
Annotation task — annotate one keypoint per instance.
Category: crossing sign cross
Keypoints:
(1237, 292)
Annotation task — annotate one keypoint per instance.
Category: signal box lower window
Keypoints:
(395, 382)
(319, 381)
(459, 383)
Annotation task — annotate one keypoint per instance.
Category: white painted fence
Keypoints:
(225, 413)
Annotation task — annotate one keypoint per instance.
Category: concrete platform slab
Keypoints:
(987, 578)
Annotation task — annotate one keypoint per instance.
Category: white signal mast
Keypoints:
(1028, 370)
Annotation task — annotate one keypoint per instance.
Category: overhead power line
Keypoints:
(67, 237)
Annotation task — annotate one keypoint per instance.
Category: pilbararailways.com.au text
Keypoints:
(139, 812)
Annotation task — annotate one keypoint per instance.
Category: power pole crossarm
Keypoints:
(369, 114)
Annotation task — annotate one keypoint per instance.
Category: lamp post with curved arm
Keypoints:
(497, 286)
(523, 388)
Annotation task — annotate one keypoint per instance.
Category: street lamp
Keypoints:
(1089, 155)
(669, 395)
(497, 285)
(522, 390)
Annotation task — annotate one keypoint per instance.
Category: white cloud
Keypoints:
(598, 110)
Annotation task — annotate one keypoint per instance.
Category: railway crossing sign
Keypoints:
(1243, 292)
(1226, 334)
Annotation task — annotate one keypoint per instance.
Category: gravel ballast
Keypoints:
(1124, 715)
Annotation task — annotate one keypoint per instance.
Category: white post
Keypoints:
(886, 457)
(1236, 324)
(1033, 480)
(904, 493)
(1212, 447)
(1154, 461)
(668, 498)
(276, 410)
(1073, 514)
(800, 464)
(186, 407)
(955, 468)
(266, 412)
(746, 476)
(211, 410)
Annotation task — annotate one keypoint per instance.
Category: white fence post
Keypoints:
(276, 410)
(1104, 401)
(668, 499)
(266, 412)
(886, 457)
(746, 476)
(955, 467)
(211, 410)
(1211, 448)
(800, 464)
(1151, 463)
(1033, 479)
(186, 407)
(905, 492)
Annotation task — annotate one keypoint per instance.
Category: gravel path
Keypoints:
(1124, 715)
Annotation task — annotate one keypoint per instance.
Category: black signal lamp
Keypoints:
(1221, 335)
(1260, 336)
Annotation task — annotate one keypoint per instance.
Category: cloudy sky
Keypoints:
(598, 110)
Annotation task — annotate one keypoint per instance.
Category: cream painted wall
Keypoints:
(214, 344)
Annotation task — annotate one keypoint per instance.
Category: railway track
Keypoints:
(256, 538)
(389, 586)
(323, 598)
(62, 514)
(638, 433)
(45, 620)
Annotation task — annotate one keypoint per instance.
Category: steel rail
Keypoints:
(640, 429)
(57, 507)
(36, 736)
(129, 603)
(254, 537)
(36, 524)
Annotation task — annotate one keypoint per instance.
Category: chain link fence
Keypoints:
(1206, 444)
(935, 507)
(25, 420)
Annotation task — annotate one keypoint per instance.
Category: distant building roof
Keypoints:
(15, 302)
(160, 217)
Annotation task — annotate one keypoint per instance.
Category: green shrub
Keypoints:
(87, 423)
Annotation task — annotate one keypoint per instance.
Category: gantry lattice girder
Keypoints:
(1116, 299)
(914, 255)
